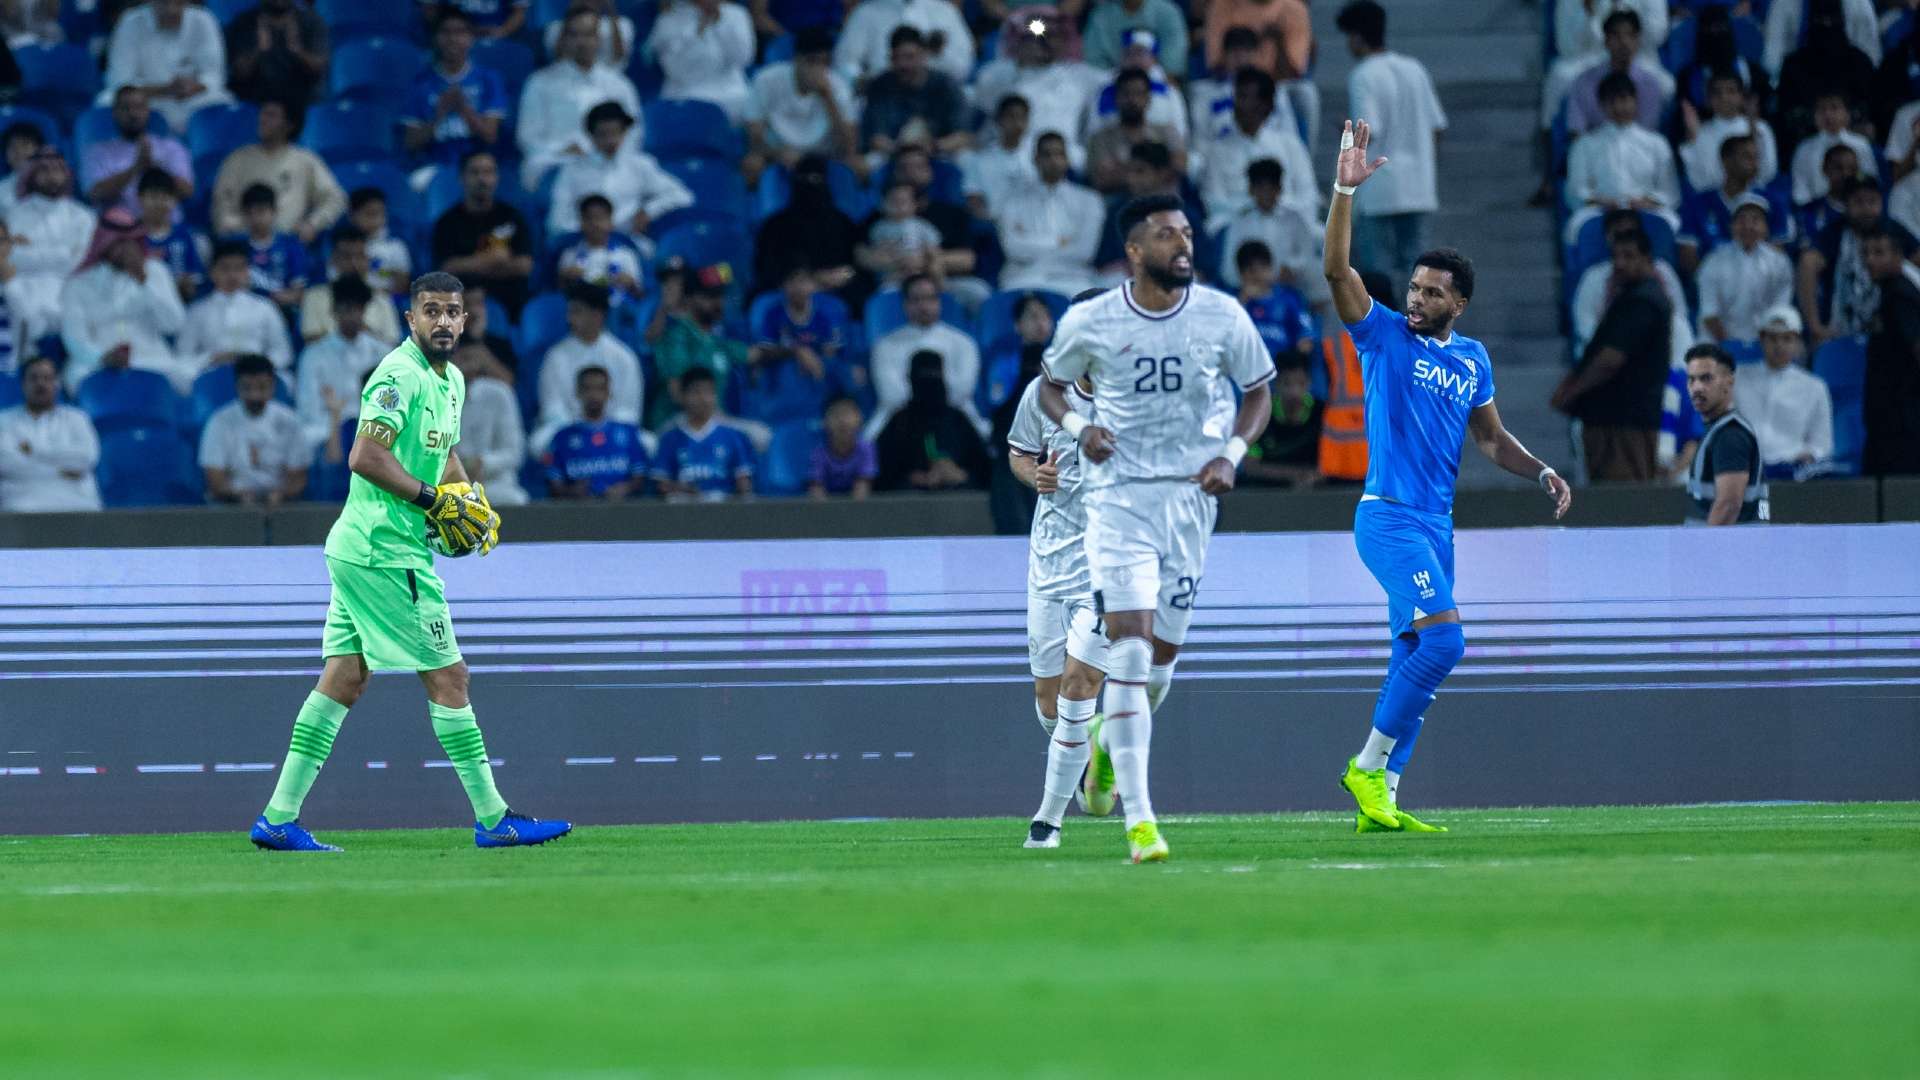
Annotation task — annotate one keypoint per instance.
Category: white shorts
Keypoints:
(1057, 629)
(1147, 549)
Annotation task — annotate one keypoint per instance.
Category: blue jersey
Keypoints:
(280, 263)
(602, 454)
(180, 252)
(1282, 319)
(707, 461)
(1418, 394)
(452, 139)
(1706, 221)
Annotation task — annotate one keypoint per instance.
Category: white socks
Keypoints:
(1129, 726)
(1067, 756)
(1159, 681)
(1046, 722)
(1374, 754)
(1393, 788)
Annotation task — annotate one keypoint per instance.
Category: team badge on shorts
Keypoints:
(387, 397)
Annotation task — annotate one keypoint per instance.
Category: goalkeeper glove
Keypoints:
(454, 519)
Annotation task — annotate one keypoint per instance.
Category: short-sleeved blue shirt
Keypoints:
(280, 263)
(1419, 393)
(707, 461)
(179, 251)
(603, 454)
(452, 138)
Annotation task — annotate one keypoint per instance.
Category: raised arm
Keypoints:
(1350, 297)
(1501, 448)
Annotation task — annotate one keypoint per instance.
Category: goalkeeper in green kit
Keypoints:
(409, 499)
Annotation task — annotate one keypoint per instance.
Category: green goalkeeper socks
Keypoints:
(459, 735)
(313, 733)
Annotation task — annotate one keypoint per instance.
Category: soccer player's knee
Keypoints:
(449, 682)
(1130, 659)
(1080, 683)
(1445, 642)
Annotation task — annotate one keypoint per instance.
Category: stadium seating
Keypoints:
(715, 183)
(678, 128)
(328, 481)
(62, 79)
(404, 215)
(214, 389)
(783, 468)
(706, 242)
(127, 397)
(375, 69)
(348, 19)
(1842, 362)
(96, 126)
(348, 131)
(997, 314)
(1744, 352)
(143, 464)
(228, 10)
(885, 313)
(218, 130)
(9, 391)
(512, 60)
(1590, 247)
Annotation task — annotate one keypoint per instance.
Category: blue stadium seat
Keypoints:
(443, 194)
(143, 464)
(96, 126)
(680, 127)
(783, 468)
(228, 10)
(404, 216)
(328, 481)
(512, 60)
(50, 129)
(219, 130)
(347, 131)
(715, 183)
(127, 397)
(1590, 247)
(368, 18)
(886, 313)
(543, 322)
(947, 186)
(1842, 362)
(772, 195)
(9, 391)
(997, 314)
(706, 242)
(1744, 352)
(778, 50)
(63, 79)
(375, 68)
(214, 388)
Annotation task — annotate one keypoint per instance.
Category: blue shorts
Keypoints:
(1410, 553)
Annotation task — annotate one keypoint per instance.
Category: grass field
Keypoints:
(1698, 941)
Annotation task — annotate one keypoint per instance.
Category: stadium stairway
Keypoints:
(1485, 60)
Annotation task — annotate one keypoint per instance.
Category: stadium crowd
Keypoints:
(815, 246)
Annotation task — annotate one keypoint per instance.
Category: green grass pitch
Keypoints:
(1695, 941)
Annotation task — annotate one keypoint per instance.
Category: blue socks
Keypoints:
(1412, 679)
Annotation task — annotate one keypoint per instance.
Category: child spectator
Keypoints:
(636, 188)
(168, 237)
(1732, 113)
(1706, 221)
(306, 195)
(691, 336)
(797, 343)
(1620, 164)
(843, 463)
(596, 457)
(22, 140)
(902, 242)
(587, 344)
(349, 259)
(1288, 452)
(1278, 311)
(392, 261)
(1005, 163)
(253, 450)
(602, 256)
(334, 369)
(1292, 240)
(1745, 278)
(277, 261)
(700, 456)
(1831, 115)
(231, 321)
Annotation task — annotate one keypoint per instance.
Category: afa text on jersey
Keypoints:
(1457, 387)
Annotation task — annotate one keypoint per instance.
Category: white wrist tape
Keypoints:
(1236, 450)
(1545, 471)
(1342, 189)
(1073, 424)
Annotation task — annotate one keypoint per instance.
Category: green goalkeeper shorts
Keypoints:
(396, 619)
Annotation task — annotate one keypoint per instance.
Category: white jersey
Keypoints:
(1160, 381)
(1056, 558)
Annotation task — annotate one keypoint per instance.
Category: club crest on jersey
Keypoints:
(387, 397)
(1453, 385)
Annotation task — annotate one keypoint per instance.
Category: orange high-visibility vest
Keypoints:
(1343, 426)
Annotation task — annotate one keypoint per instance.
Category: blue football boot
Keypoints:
(291, 836)
(519, 830)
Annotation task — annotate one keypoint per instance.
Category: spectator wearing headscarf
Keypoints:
(121, 306)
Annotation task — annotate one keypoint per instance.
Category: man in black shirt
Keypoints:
(1615, 391)
(1892, 391)
(484, 240)
(1724, 481)
(911, 94)
(278, 52)
(1288, 452)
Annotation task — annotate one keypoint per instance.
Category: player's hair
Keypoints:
(1452, 262)
(1835, 150)
(1055, 136)
(905, 35)
(251, 364)
(597, 297)
(1253, 251)
(1618, 85)
(23, 129)
(1239, 37)
(1128, 75)
(1621, 15)
(350, 290)
(1026, 300)
(438, 281)
(470, 156)
(906, 286)
(838, 400)
(595, 199)
(696, 375)
(1152, 154)
(1009, 102)
(1085, 295)
(1265, 171)
(157, 179)
(1638, 240)
(1137, 211)
(229, 249)
(1366, 20)
(36, 358)
(603, 112)
(349, 233)
(591, 369)
(1734, 142)
(449, 13)
(363, 196)
(1707, 350)
(1879, 230)
(1262, 82)
(258, 195)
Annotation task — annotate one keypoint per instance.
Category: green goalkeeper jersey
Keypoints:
(423, 408)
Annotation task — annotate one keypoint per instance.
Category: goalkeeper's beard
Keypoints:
(433, 353)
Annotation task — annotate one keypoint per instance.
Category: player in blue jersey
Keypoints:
(1427, 387)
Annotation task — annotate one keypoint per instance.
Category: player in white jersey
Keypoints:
(1164, 355)
(1065, 649)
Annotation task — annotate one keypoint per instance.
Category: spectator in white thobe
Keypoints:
(334, 369)
(1745, 278)
(1790, 408)
(1050, 227)
(493, 440)
(1830, 117)
(1293, 240)
(120, 308)
(550, 126)
(704, 48)
(892, 358)
(639, 189)
(1620, 164)
(586, 345)
(1394, 94)
(51, 231)
(47, 450)
(1254, 134)
(253, 451)
(173, 50)
(863, 51)
(1002, 163)
(1057, 86)
(233, 320)
(1700, 155)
